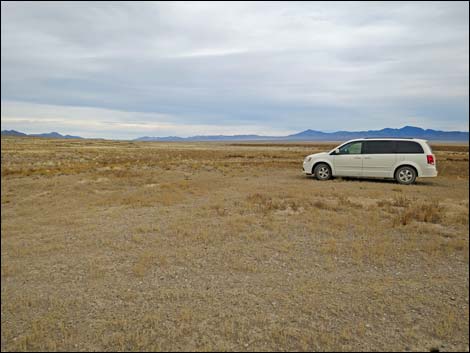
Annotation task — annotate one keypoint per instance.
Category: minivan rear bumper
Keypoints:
(428, 172)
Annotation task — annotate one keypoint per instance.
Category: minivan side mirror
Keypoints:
(337, 151)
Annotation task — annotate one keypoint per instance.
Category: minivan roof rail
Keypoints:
(389, 137)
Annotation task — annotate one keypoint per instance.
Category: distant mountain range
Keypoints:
(313, 135)
(50, 135)
(307, 135)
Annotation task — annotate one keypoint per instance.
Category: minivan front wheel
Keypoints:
(322, 171)
(405, 175)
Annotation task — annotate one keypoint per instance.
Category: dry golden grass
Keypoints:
(111, 245)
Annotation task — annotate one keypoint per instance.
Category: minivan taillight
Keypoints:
(430, 159)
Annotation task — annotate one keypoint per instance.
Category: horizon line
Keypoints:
(229, 136)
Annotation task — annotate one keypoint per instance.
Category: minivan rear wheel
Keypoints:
(405, 175)
(322, 171)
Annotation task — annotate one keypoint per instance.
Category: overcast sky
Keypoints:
(124, 70)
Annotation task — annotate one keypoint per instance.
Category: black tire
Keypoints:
(405, 175)
(322, 171)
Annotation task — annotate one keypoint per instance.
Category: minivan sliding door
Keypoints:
(379, 158)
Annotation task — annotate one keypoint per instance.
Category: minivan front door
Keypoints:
(348, 162)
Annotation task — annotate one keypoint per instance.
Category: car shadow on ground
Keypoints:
(424, 182)
(384, 181)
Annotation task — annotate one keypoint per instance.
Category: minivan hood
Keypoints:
(316, 155)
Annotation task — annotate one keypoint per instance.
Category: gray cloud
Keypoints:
(281, 66)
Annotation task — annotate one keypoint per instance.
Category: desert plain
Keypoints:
(123, 245)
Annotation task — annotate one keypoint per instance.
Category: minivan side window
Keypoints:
(409, 147)
(378, 147)
(351, 148)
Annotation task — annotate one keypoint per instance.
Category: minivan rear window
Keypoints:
(378, 147)
(409, 147)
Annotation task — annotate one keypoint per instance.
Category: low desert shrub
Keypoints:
(420, 212)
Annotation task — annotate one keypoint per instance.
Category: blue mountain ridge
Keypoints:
(314, 135)
(307, 135)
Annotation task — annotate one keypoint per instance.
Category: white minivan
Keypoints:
(396, 158)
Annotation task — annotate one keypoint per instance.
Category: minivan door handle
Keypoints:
(357, 157)
(367, 157)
